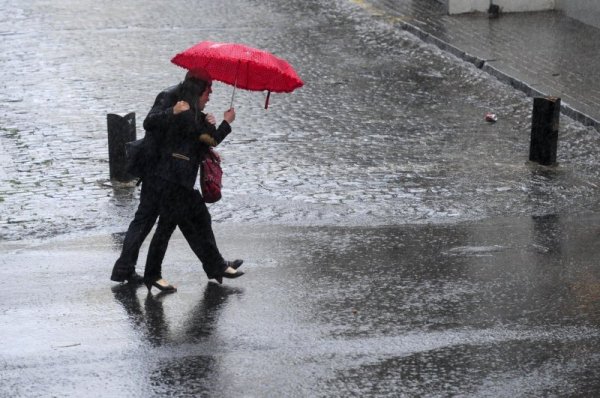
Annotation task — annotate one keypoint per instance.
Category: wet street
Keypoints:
(396, 244)
(505, 308)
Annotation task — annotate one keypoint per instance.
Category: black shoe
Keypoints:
(235, 264)
(219, 278)
(232, 276)
(166, 289)
(133, 278)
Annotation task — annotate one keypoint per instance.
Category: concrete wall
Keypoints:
(587, 11)
(464, 6)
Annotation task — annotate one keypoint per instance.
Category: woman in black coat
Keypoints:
(188, 134)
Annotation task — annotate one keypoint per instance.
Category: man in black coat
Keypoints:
(148, 208)
(159, 120)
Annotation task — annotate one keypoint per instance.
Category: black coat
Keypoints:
(181, 150)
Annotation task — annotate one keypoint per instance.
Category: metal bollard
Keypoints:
(544, 130)
(493, 11)
(121, 129)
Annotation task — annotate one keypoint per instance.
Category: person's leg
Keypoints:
(202, 222)
(200, 210)
(194, 221)
(158, 248)
(139, 228)
(206, 251)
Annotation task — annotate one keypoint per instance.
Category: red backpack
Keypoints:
(210, 176)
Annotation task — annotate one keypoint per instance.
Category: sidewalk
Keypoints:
(541, 54)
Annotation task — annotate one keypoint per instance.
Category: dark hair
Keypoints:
(190, 91)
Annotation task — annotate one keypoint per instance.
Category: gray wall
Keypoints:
(587, 11)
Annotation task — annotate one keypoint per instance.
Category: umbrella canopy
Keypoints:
(241, 66)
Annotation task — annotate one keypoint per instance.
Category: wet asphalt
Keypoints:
(499, 308)
(396, 244)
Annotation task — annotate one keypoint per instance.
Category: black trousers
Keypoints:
(143, 221)
(186, 209)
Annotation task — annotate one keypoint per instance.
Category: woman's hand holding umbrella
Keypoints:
(229, 115)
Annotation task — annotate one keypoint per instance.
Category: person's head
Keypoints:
(196, 89)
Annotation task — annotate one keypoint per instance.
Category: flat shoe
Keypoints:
(134, 278)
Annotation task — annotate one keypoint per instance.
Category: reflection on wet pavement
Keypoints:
(506, 307)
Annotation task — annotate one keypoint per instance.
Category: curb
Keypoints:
(505, 78)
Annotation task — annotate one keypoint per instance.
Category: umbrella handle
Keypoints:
(237, 71)
(232, 96)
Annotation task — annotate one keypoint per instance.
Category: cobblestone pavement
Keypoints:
(387, 130)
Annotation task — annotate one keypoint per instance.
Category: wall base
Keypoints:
(465, 6)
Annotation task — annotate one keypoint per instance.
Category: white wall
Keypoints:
(464, 6)
(587, 11)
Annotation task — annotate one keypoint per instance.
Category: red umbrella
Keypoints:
(241, 66)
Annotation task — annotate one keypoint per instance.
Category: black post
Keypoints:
(494, 11)
(544, 130)
(121, 129)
